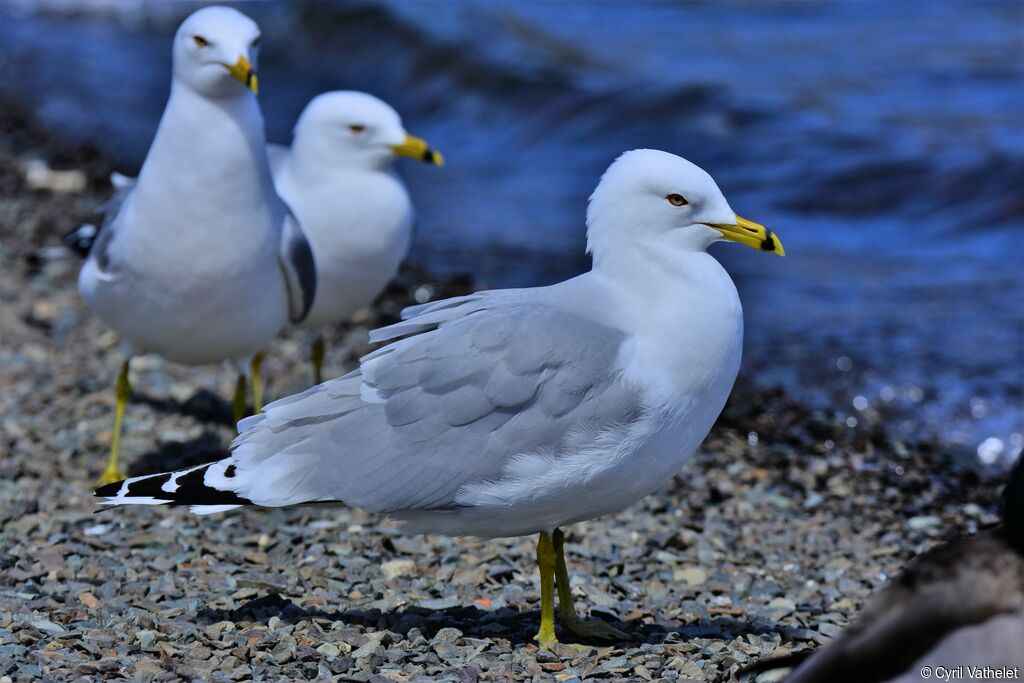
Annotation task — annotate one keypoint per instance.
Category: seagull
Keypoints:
(199, 260)
(519, 411)
(357, 214)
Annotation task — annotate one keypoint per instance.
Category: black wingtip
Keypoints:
(108, 490)
(189, 489)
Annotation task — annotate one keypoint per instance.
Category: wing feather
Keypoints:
(298, 268)
(486, 379)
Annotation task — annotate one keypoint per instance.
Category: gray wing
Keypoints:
(95, 243)
(298, 267)
(481, 382)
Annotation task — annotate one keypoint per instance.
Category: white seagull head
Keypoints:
(655, 196)
(354, 129)
(215, 52)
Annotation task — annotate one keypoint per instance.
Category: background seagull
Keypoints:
(199, 260)
(355, 211)
(518, 411)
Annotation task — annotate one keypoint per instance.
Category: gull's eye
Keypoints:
(256, 41)
(357, 128)
(677, 200)
(200, 41)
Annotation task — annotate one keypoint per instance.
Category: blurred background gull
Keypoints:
(884, 141)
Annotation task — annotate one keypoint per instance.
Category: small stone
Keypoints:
(47, 626)
(397, 568)
(447, 635)
(284, 653)
(370, 646)
(329, 650)
(438, 603)
(692, 576)
(923, 522)
(782, 606)
(145, 638)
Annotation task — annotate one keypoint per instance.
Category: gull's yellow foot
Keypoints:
(546, 563)
(239, 405)
(109, 476)
(546, 635)
(122, 391)
(257, 383)
(584, 628)
(316, 358)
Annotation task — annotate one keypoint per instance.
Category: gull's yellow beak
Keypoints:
(242, 70)
(751, 234)
(417, 148)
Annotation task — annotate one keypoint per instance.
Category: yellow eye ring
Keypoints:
(677, 199)
(200, 41)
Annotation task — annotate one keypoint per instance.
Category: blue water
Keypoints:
(883, 141)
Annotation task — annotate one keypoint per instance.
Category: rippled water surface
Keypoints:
(882, 141)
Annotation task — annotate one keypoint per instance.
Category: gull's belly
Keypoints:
(190, 320)
(648, 458)
(349, 282)
(359, 226)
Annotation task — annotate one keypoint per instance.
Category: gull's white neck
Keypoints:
(681, 309)
(207, 145)
(663, 274)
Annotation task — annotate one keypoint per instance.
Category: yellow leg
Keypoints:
(546, 562)
(257, 383)
(239, 406)
(584, 628)
(122, 390)
(316, 357)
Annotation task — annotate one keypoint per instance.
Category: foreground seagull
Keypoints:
(199, 260)
(519, 411)
(357, 214)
